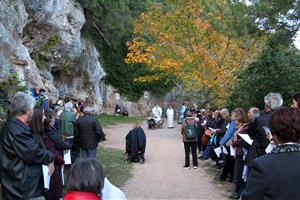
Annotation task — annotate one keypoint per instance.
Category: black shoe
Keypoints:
(234, 196)
(219, 166)
(142, 161)
(186, 167)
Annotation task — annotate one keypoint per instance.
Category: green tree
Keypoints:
(276, 70)
(110, 24)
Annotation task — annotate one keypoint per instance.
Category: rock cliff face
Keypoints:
(40, 41)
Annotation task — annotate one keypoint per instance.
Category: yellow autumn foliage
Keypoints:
(182, 42)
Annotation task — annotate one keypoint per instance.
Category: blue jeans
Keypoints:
(88, 153)
(207, 152)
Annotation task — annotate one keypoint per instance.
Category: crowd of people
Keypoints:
(38, 133)
(254, 150)
(259, 151)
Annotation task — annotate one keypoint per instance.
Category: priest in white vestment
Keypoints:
(170, 116)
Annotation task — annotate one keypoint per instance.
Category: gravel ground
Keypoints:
(163, 176)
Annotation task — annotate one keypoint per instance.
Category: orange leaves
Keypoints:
(139, 52)
(180, 41)
(148, 78)
(170, 65)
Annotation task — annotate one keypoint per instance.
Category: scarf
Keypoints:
(287, 147)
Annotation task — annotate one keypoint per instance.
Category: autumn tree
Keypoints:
(195, 42)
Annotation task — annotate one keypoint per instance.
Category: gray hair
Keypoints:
(20, 103)
(68, 107)
(225, 111)
(87, 110)
(255, 112)
(273, 101)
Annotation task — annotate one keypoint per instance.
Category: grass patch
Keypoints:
(108, 120)
(116, 169)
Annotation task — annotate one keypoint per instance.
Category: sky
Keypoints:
(297, 40)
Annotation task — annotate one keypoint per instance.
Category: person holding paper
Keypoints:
(37, 124)
(229, 160)
(273, 101)
(22, 154)
(224, 121)
(277, 175)
(56, 145)
(67, 125)
(241, 127)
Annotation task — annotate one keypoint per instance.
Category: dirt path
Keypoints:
(163, 176)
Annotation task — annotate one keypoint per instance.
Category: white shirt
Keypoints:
(111, 192)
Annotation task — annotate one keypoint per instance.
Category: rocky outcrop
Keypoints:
(14, 55)
(140, 108)
(40, 41)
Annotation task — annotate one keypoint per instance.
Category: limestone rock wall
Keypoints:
(40, 41)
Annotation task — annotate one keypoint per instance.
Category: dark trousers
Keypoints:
(228, 167)
(238, 174)
(187, 147)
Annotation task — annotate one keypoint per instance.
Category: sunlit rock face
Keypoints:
(41, 42)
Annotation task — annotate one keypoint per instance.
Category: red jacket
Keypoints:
(76, 195)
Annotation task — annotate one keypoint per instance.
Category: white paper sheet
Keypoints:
(246, 138)
(218, 151)
(227, 125)
(267, 130)
(46, 176)
(224, 150)
(62, 176)
(269, 148)
(232, 151)
(67, 157)
(110, 191)
(212, 130)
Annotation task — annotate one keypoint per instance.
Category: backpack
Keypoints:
(190, 131)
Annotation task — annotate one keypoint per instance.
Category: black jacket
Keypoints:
(257, 133)
(135, 141)
(223, 126)
(274, 176)
(22, 158)
(88, 132)
(57, 141)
